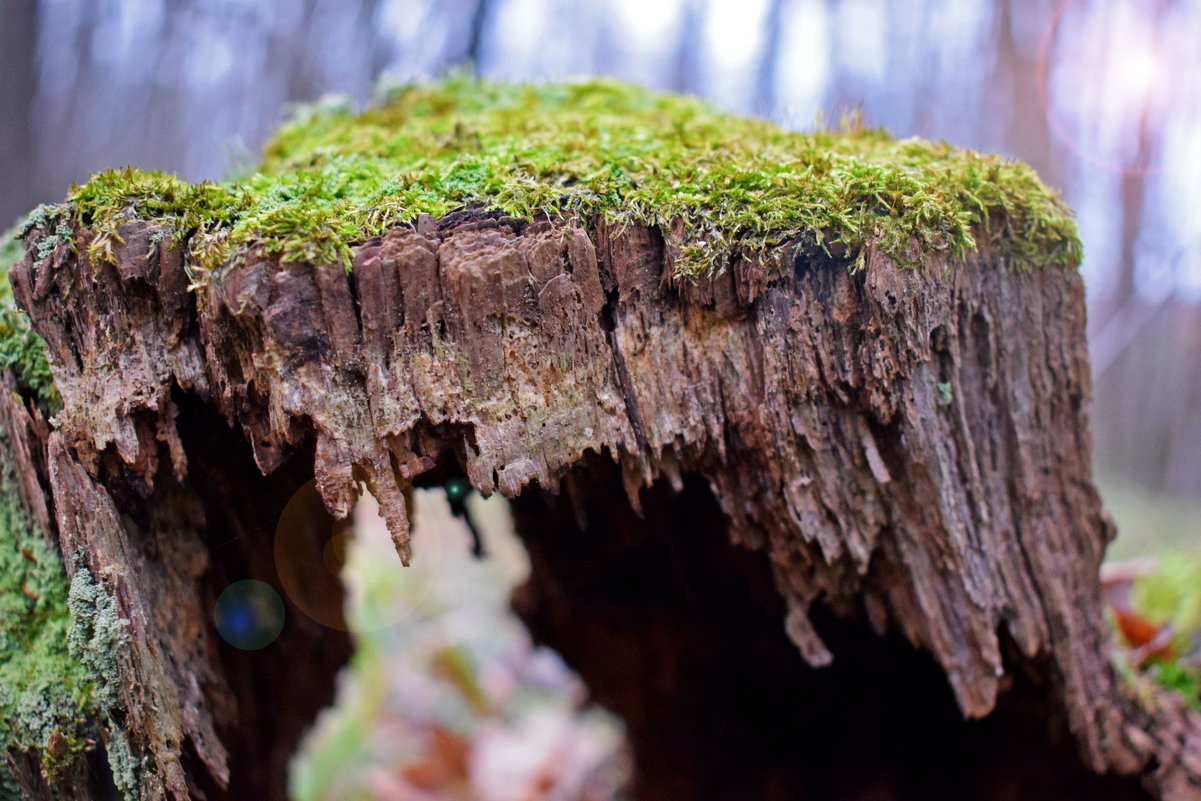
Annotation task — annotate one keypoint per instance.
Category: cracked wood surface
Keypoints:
(911, 446)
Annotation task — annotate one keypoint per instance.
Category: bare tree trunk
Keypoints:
(1028, 133)
(475, 35)
(769, 60)
(1133, 188)
(1133, 191)
(18, 65)
(685, 66)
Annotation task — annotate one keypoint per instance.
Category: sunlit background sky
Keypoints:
(1101, 96)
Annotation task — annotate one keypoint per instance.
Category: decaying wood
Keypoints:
(23, 433)
(909, 447)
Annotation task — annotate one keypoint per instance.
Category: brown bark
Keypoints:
(906, 449)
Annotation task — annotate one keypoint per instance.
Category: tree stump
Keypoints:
(818, 524)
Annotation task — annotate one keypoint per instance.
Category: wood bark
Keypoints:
(904, 448)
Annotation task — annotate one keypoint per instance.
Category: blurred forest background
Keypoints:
(1102, 97)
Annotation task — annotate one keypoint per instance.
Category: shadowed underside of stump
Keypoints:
(888, 468)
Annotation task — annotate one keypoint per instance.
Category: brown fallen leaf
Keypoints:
(445, 762)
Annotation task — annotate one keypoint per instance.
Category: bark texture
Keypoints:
(907, 448)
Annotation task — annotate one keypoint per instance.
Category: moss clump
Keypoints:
(331, 178)
(45, 693)
(23, 352)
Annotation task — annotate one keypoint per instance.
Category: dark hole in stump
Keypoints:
(272, 694)
(681, 633)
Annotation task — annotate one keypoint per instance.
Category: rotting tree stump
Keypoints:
(812, 532)
(906, 450)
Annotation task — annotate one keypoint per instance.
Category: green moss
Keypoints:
(1184, 679)
(22, 351)
(44, 691)
(330, 179)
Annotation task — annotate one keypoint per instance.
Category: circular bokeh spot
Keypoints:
(457, 489)
(249, 614)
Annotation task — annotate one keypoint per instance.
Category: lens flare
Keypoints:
(318, 558)
(249, 614)
(1112, 76)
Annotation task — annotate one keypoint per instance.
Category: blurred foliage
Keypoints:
(1167, 599)
(1172, 595)
(446, 698)
(724, 186)
(1184, 679)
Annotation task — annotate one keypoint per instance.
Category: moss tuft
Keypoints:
(331, 179)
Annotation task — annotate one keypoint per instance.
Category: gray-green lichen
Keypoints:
(59, 641)
(126, 768)
(59, 647)
(98, 634)
(945, 393)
